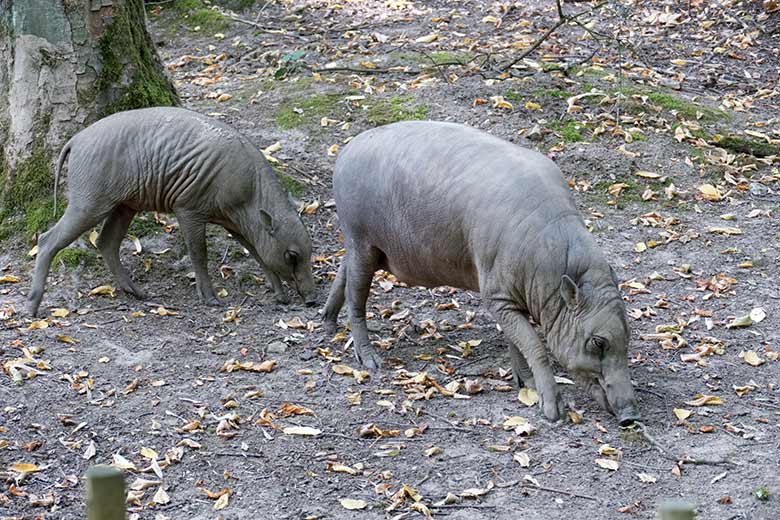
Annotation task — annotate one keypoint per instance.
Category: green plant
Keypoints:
(395, 109)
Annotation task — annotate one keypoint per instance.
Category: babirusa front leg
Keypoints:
(523, 336)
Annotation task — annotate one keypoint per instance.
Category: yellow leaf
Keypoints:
(149, 453)
(224, 97)
(430, 452)
(9, 278)
(306, 431)
(60, 313)
(22, 467)
(647, 175)
(40, 324)
(640, 247)
(724, 230)
(122, 463)
(679, 63)
(62, 338)
(740, 322)
(333, 150)
(751, 358)
(429, 38)
(609, 464)
(489, 19)
(530, 105)
(514, 421)
(33, 252)
(162, 311)
(341, 468)
(753, 133)
(500, 102)
(161, 497)
(310, 209)
(705, 400)
(710, 192)
(522, 458)
(352, 504)
(93, 236)
(606, 449)
(103, 290)
(222, 502)
(528, 396)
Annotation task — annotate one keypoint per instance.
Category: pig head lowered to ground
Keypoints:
(175, 160)
(444, 204)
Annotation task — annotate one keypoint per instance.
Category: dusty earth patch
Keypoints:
(655, 151)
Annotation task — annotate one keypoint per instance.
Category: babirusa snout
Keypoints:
(307, 291)
(620, 395)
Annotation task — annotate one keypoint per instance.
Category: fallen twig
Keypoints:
(562, 19)
(451, 426)
(544, 488)
(669, 455)
(463, 506)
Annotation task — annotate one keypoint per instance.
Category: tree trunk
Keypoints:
(64, 64)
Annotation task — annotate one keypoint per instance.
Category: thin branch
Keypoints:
(548, 489)
(683, 459)
(562, 19)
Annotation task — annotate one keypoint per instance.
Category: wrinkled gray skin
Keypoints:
(443, 204)
(175, 160)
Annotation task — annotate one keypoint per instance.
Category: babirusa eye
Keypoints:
(598, 342)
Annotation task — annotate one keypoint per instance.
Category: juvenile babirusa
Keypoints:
(175, 160)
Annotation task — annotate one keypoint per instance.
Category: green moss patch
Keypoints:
(293, 186)
(570, 132)
(747, 145)
(128, 58)
(197, 16)
(301, 111)
(73, 257)
(667, 101)
(386, 111)
(144, 225)
(28, 206)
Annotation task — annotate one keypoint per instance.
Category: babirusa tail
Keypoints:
(60, 161)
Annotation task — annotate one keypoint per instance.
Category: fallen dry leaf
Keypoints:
(306, 431)
(751, 358)
(681, 413)
(609, 464)
(103, 290)
(352, 504)
(528, 396)
(705, 400)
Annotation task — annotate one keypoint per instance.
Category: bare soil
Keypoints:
(117, 375)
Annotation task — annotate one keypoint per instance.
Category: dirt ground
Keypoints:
(672, 153)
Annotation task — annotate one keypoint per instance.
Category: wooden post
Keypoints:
(677, 510)
(105, 493)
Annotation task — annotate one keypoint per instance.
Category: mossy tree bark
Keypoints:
(63, 65)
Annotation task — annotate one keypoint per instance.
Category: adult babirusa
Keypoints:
(175, 160)
(444, 204)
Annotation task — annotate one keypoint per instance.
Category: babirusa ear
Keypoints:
(569, 292)
(267, 220)
(297, 204)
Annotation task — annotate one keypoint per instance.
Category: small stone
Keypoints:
(277, 347)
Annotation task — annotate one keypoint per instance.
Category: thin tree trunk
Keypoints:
(64, 64)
